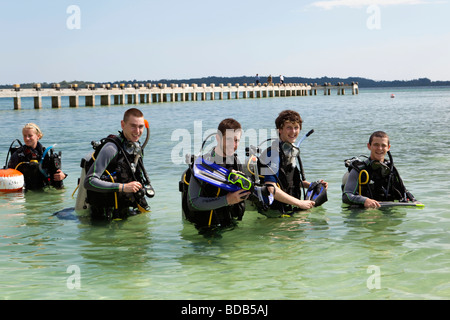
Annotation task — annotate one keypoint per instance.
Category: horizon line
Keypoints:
(225, 77)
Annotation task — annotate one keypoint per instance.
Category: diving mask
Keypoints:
(235, 177)
(291, 152)
(383, 167)
(133, 148)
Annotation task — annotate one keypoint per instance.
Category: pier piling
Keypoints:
(153, 93)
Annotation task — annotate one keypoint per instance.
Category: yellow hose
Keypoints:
(359, 179)
(25, 162)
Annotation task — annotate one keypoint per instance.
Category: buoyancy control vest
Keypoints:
(383, 180)
(37, 171)
(289, 178)
(119, 170)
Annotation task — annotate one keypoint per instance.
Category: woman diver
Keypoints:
(39, 167)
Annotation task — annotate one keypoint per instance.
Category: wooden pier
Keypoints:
(154, 93)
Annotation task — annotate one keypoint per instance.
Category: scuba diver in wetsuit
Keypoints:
(39, 167)
(284, 174)
(208, 206)
(375, 179)
(116, 181)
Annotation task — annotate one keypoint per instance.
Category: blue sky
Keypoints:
(152, 40)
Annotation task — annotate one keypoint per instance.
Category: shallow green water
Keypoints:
(328, 252)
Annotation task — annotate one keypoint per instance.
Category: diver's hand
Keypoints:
(306, 184)
(239, 172)
(370, 203)
(59, 175)
(130, 187)
(324, 183)
(305, 204)
(237, 196)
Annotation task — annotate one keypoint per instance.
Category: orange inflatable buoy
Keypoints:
(11, 180)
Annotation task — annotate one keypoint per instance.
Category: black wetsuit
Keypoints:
(383, 185)
(208, 205)
(110, 170)
(27, 160)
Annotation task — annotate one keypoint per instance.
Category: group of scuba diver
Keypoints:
(216, 187)
(113, 183)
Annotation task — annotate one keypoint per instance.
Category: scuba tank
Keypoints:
(183, 184)
(81, 203)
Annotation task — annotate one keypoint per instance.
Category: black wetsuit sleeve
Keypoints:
(93, 179)
(198, 203)
(351, 195)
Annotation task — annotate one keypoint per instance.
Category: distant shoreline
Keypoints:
(362, 82)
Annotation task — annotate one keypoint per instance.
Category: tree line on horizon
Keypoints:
(362, 82)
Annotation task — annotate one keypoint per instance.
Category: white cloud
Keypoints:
(330, 4)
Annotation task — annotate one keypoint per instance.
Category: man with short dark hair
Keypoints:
(116, 179)
(209, 206)
(375, 179)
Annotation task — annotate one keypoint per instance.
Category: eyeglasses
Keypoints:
(235, 177)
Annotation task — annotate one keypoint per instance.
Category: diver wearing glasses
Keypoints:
(375, 179)
(281, 170)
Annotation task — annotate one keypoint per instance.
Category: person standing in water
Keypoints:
(281, 157)
(39, 167)
(375, 179)
(211, 207)
(116, 180)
